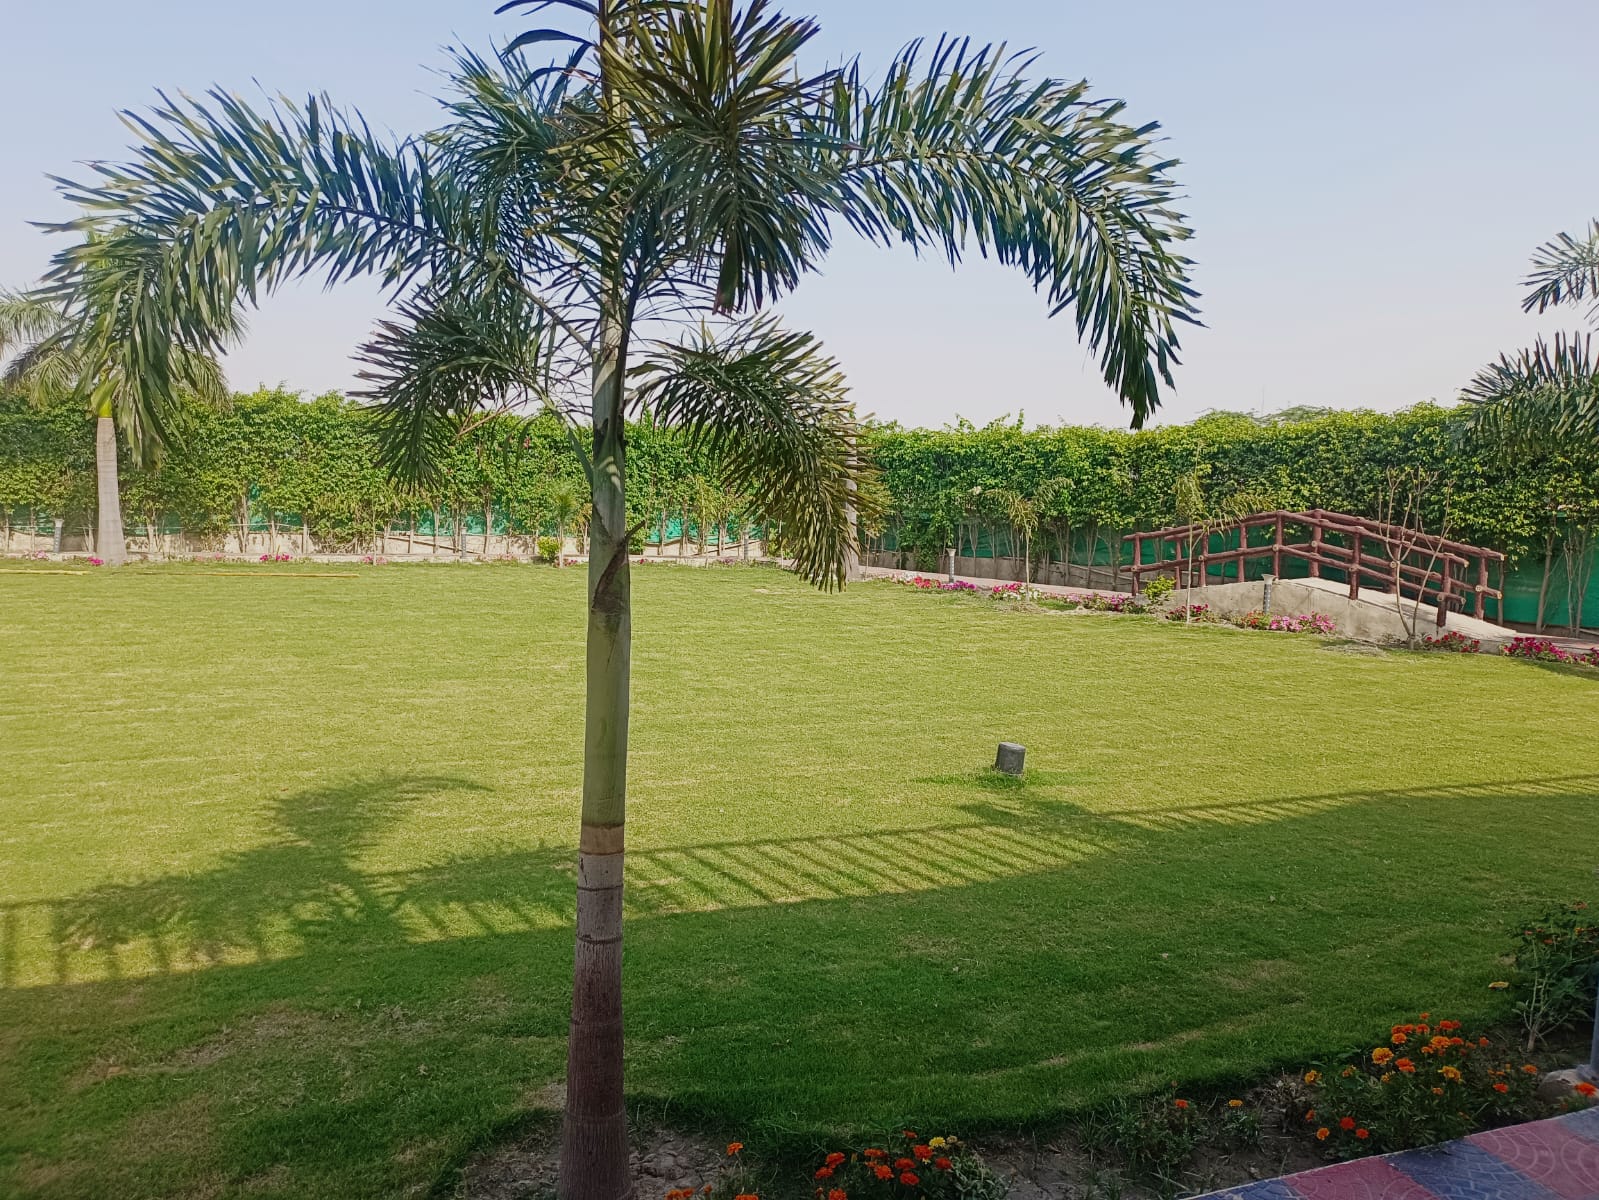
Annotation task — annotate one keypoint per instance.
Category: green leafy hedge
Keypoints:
(274, 457)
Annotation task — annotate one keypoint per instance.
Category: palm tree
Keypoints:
(674, 167)
(39, 335)
(565, 505)
(1548, 395)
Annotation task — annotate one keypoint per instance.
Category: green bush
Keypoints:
(1556, 968)
(549, 549)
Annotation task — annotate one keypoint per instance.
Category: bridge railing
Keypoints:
(1387, 558)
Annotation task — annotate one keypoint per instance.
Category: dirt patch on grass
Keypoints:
(662, 1159)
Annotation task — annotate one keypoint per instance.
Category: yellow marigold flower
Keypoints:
(1450, 1073)
(1235, 1104)
(1498, 985)
(1382, 1055)
(936, 1143)
(1387, 1075)
(1312, 1076)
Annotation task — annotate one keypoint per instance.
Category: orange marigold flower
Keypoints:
(1382, 1055)
(1235, 1104)
(1386, 1076)
(1530, 1069)
(909, 1178)
(838, 1194)
(1586, 1089)
(883, 1171)
(922, 1152)
(1347, 1072)
(1405, 1065)
(874, 1153)
(679, 1193)
(1312, 1076)
(1450, 1073)
(910, 1133)
(1449, 1026)
(1501, 1088)
(834, 1159)
(734, 1147)
(1399, 1039)
(1362, 1134)
(1321, 1134)
(746, 1196)
(903, 1164)
(1426, 1016)
(1437, 1091)
(1482, 1041)
(1311, 1115)
(1180, 1103)
(824, 1172)
(943, 1164)
(1346, 1123)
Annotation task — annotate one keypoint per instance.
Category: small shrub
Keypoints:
(1556, 967)
(1429, 1082)
(1454, 641)
(277, 558)
(1589, 657)
(96, 562)
(1154, 1137)
(1159, 588)
(1189, 612)
(549, 549)
(1535, 649)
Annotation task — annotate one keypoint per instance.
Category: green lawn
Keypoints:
(285, 863)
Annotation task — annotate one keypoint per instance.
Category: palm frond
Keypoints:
(772, 407)
(1540, 398)
(963, 151)
(447, 356)
(716, 95)
(25, 319)
(1565, 271)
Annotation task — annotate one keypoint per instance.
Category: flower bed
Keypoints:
(1429, 1082)
(1454, 641)
(1298, 623)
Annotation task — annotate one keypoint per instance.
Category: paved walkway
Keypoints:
(1557, 1159)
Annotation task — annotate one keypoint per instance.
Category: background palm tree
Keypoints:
(1548, 395)
(675, 169)
(47, 361)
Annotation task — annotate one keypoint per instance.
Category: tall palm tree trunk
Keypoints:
(594, 1160)
(110, 545)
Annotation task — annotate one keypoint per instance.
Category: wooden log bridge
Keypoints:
(1388, 558)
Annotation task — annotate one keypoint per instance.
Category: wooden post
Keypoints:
(1315, 548)
(1138, 554)
(1482, 587)
(1277, 550)
(1354, 564)
(1443, 593)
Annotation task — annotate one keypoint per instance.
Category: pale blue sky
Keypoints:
(1367, 180)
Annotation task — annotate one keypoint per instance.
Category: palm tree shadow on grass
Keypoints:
(302, 888)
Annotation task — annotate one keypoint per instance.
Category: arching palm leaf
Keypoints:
(1540, 397)
(1565, 271)
(772, 408)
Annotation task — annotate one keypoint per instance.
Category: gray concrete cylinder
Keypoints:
(1009, 758)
